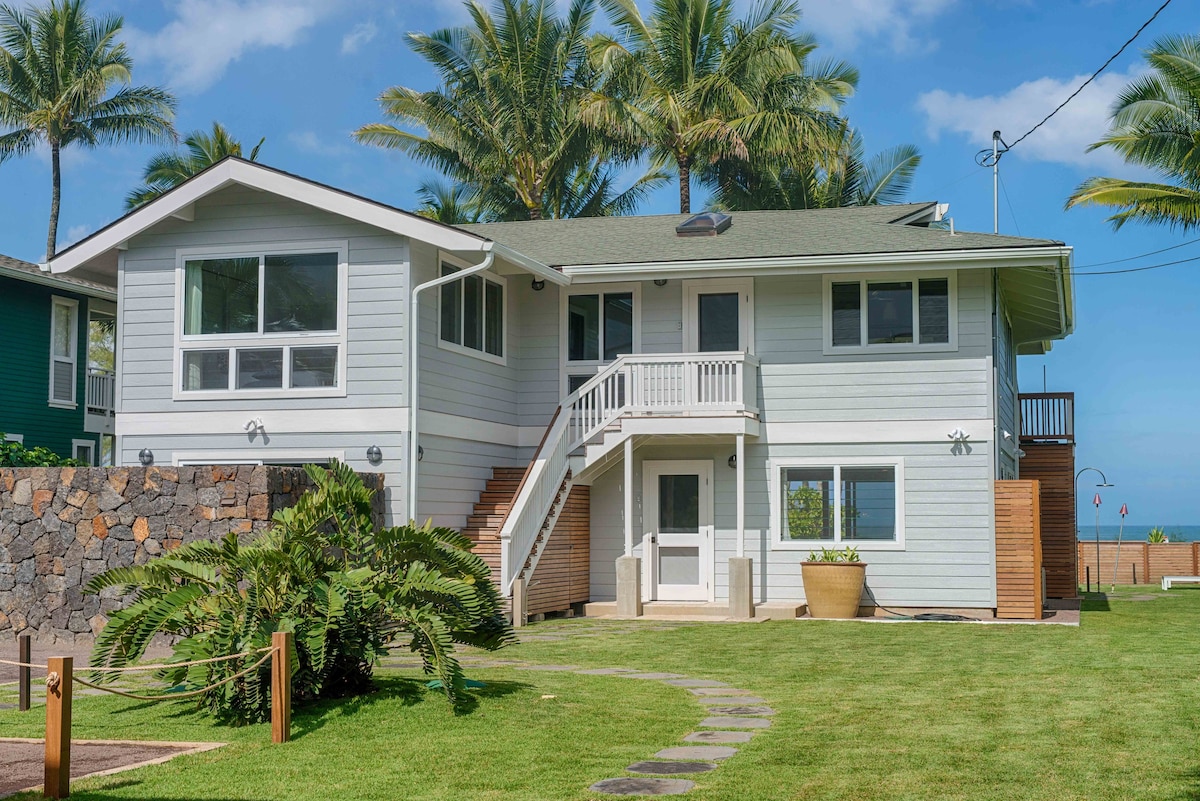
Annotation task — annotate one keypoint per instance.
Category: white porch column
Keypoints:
(629, 496)
(741, 494)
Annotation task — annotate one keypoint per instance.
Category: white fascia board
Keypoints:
(1048, 256)
(535, 267)
(46, 279)
(178, 201)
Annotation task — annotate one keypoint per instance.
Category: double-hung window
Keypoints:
(64, 351)
(832, 504)
(599, 327)
(263, 323)
(890, 314)
(471, 314)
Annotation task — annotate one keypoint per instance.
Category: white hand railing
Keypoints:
(679, 384)
(101, 390)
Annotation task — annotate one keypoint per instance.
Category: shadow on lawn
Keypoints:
(410, 692)
(1094, 602)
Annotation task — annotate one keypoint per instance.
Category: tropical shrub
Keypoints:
(322, 571)
(15, 454)
(847, 554)
(1157, 534)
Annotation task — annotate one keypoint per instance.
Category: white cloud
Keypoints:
(75, 233)
(206, 36)
(309, 142)
(1064, 139)
(358, 36)
(845, 23)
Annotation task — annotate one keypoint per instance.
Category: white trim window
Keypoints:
(846, 502)
(718, 315)
(84, 450)
(17, 438)
(64, 352)
(262, 324)
(598, 325)
(471, 313)
(891, 313)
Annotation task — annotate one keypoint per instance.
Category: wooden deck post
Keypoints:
(281, 687)
(58, 728)
(520, 603)
(24, 652)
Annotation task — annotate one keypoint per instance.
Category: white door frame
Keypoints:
(704, 539)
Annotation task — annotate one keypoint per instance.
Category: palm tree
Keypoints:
(696, 84)
(846, 179)
(57, 65)
(452, 204)
(1155, 123)
(170, 168)
(506, 115)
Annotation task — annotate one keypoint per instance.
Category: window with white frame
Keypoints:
(599, 327)
(84, 450)
(472, 313)
(64, 350)
(885, 312)
(832, 504)
(269, 322)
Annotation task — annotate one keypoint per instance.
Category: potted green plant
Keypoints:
(833, 583)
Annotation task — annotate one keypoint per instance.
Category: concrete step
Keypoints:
(698, 610)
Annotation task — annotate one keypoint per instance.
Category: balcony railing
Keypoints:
(1048, 417)
(101, 391)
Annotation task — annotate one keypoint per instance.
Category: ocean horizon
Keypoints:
(1139, 533)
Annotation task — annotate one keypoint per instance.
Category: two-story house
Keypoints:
(679, 390)
(58, 383)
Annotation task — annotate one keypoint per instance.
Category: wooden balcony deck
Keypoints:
(1047, 416)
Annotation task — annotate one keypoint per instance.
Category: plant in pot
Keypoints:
(833, 583)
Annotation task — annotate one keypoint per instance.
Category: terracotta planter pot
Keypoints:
(833, 589)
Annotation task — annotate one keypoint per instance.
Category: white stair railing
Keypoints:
(656, 384)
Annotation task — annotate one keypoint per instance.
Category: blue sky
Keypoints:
(941, 74)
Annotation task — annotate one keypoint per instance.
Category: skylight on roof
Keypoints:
(709, 223)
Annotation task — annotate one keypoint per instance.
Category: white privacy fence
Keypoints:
(660, 384)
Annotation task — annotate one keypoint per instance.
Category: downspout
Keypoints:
(414, 393)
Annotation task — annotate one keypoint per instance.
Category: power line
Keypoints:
(1138, 269)
(1012, 213)
(1140, 255)
(986, 155)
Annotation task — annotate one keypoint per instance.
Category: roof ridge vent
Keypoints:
(708, 223)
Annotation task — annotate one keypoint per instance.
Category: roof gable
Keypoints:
(231, 170)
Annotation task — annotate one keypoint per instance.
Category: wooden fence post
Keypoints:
(58, 728)
(24, 651)
(281, 687)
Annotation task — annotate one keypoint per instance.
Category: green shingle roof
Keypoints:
(754, 234)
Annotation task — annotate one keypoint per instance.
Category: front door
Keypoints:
(677, 518)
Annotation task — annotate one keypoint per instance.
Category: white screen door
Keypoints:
(677, 517)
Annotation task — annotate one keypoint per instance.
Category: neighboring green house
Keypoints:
(59, 383)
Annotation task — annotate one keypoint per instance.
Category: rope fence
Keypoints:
(60, 676)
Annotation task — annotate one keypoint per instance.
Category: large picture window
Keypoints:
(888, 313)
(472, 313)
(266, 322)
(854, 504)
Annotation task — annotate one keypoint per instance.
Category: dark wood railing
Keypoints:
(1048, 416)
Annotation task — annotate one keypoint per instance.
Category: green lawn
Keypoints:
(1109, 710)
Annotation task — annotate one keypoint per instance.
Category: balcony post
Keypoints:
(629, 496)
(741, 494)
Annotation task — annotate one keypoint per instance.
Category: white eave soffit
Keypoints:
(179, 204)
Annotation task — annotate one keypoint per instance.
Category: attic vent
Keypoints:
(710, 223)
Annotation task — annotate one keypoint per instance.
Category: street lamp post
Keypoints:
(1096, 501)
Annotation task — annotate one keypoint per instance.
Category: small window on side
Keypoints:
(934, 310)
(847, 314)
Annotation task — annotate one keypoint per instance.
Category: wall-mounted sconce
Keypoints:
(1007, 435)
(253, 424)
(660, 282)
(732, 462)
(1020, 453)
(538, 284)
(374, 455)
(420, 453)
(146, 457)
(958, 435)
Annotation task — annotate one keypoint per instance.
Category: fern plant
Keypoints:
(322, 571)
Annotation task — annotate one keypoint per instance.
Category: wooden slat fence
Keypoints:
(1052, 465)
(1147, 562)
(562, 576)
(1018, 550)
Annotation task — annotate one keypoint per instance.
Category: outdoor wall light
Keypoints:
(420, 453)
(146, 457)
(538, 284)
(958, 435)
(374, 455)
(732, 462)
(660, 282)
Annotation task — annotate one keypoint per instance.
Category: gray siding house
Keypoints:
(573, 391)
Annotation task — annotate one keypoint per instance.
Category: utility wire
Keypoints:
(984, 157)
(1122, 271)
(1140, 255)
(1011, 212)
